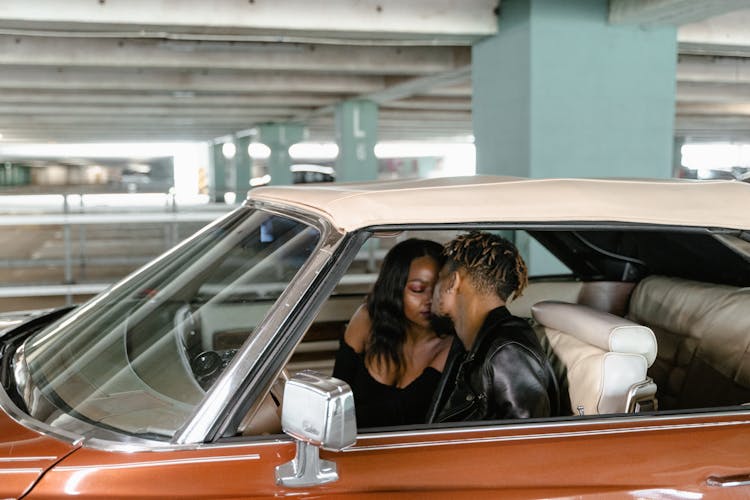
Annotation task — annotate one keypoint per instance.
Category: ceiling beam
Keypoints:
(710, 49)
(726, 35)
(714, 109)
(708, 92)
(422, 21)
(129, 79)
(713, 69)
(435, 103)
(64, 102)
(400, 90)
(416, 86)
(145, 111)
(106, 121)
(675, 12)
(725, 128)
(124, 53)
(191, 99)
(10, 115)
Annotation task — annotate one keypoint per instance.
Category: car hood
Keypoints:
(25, 455)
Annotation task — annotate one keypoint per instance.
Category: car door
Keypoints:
(639, 455)
(679, 456)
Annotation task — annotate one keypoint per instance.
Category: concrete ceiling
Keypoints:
(110, 70)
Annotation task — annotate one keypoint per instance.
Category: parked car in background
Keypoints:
(304, 173)
(170, 383)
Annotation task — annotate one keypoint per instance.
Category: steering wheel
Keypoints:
(207, 365)
(203, 365)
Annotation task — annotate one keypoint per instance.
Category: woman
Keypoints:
(390, 355)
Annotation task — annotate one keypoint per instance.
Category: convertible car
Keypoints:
(207, 373)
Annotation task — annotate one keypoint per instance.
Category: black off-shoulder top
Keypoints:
(379, 404)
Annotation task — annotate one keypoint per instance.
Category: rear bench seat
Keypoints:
(703, 336)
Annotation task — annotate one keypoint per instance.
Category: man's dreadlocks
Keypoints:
(492, 262)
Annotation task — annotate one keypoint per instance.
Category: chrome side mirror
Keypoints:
(318, 412)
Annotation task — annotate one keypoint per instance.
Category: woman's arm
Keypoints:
(351, 345)
(358, 330)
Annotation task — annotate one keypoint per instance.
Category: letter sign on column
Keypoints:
(358, 132)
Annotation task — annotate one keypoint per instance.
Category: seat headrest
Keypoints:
(603, 330)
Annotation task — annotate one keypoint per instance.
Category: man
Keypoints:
(498, 370)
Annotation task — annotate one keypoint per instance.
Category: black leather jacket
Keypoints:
(504, 375)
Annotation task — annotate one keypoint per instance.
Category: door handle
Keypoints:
(729, 481)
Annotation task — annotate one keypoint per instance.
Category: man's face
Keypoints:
(443, 296)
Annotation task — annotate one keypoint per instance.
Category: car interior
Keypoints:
(635, 319)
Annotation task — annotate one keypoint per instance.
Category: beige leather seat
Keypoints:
(606, 357)
(703, 330)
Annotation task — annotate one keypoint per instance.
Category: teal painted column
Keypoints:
(242, 165)
(356, 134)
(278, 137)
(559, 92)
(217, 174)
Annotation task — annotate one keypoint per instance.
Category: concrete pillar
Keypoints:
(356, 134)
(559, 92)
(242, 166)
(278, 137)
(217, 174)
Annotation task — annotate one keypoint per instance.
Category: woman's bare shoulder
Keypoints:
(357, 332)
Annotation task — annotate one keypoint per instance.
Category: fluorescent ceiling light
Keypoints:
(400, 149)
(228, 150)
(715, 156)
(95, 150)
(258, 151)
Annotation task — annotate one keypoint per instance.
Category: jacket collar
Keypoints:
(495, 316)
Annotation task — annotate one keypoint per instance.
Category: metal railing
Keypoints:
(88, 242)
(79, 244)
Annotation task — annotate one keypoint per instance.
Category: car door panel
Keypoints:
(578, 457)
(211, 471)
(575, 458)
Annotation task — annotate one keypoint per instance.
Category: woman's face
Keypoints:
(423, 273)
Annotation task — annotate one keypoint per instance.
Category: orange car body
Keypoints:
(634, 459)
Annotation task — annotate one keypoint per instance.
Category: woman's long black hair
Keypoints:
(385, 303)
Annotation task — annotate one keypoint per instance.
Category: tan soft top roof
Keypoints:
(508, 199)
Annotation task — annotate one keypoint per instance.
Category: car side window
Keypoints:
(617, 278)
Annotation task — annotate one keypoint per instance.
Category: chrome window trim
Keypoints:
(532, 436)
(14, 412)
(282, 347)
(159, 463)
(741, 417)
(210, 411)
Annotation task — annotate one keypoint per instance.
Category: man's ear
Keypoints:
(454, 281)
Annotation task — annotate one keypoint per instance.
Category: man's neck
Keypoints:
(473, 316)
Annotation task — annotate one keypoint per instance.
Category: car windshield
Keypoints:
(139, 358)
